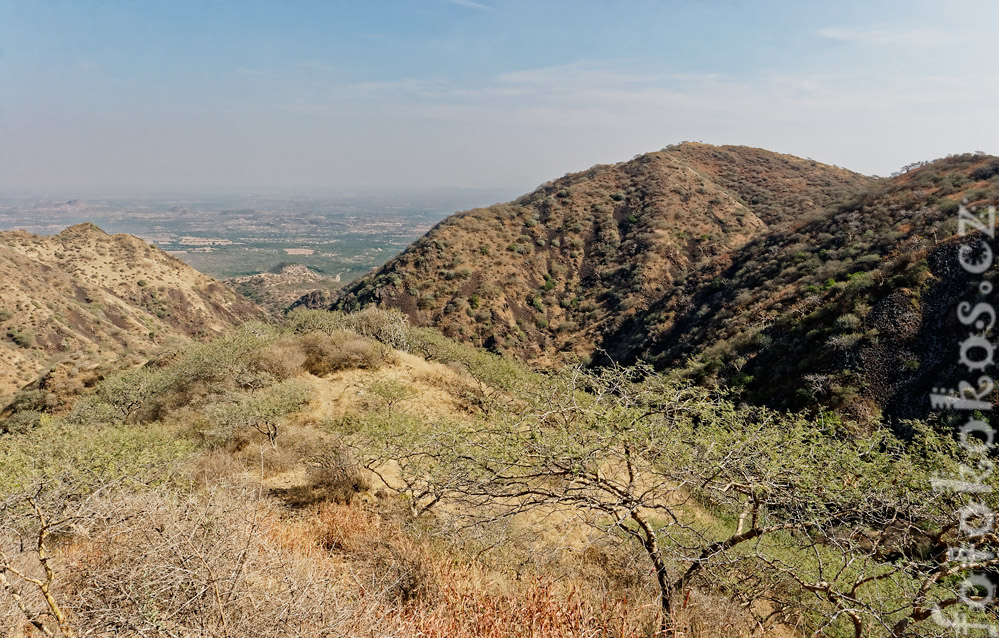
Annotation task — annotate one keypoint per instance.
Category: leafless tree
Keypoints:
(15, 576)
(711, 492)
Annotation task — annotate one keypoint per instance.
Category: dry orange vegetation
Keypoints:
(339, 570)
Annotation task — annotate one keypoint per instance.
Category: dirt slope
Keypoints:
(72, 302)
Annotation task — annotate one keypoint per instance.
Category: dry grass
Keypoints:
(230, 560)
(287, 539)
(538, 608)
(228, 563)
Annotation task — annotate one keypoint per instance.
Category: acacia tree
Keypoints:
(261, 411)
(770, 504)
(417, 460)
(126, 392)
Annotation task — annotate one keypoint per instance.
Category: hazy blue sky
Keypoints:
(483, 93)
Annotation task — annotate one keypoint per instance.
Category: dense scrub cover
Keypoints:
(549, 274)
(807, 286)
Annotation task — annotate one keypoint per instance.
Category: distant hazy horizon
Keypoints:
(282, 192)
(334, 97)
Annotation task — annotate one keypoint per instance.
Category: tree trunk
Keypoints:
(662, 577)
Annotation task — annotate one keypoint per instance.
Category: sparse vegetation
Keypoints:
(56, 305)
(232, 476)
(20, 337)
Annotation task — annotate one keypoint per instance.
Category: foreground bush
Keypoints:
(227, 563)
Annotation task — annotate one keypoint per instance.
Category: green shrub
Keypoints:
(848, 322)
(948, 207)
(21, 422)
(20, 337)
(28, 400)
(58, 453)
(342, 350)
(125, 393)
(261, 411)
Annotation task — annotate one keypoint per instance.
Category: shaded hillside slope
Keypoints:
(73, 301)
(550, 273)
(853, 310)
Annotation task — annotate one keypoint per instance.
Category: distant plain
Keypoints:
(230, 235)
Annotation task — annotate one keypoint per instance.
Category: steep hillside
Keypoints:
(550, 273)
(74, 301)
(852, 310)
(803, 284)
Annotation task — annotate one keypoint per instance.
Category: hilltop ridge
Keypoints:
(75, 301)
(802, 284)
(554, 270)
